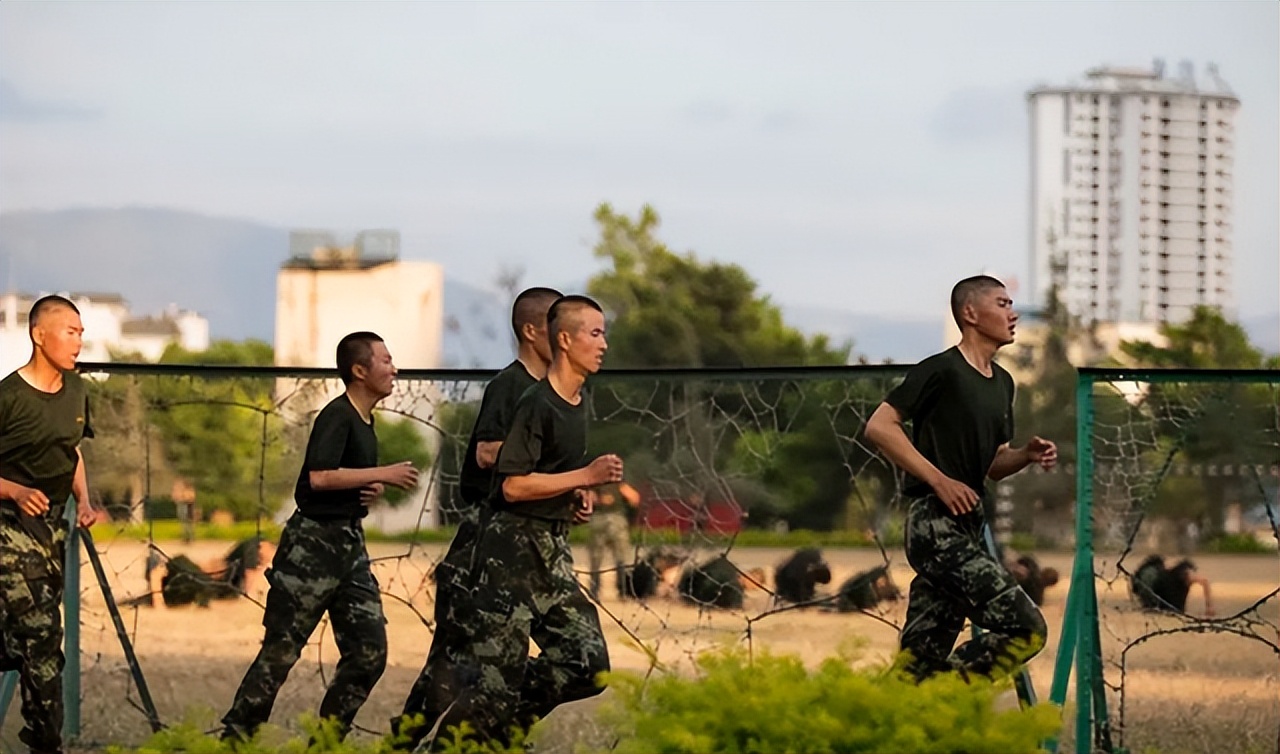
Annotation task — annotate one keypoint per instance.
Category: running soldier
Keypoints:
(438, 683)
(522, 582)
(960, 404)
(44, 414)
(608, 533)
(321, 564)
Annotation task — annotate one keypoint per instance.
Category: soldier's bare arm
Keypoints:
(30, 501)
(1203, 581)
(536, 486)
(86, 514)
(1010, 460)
(401, 475)
(487, 453)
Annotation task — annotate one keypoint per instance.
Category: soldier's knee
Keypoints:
(1033, 634)
(378, 662)
(587, 685)
(280, 652)
(1039, 633)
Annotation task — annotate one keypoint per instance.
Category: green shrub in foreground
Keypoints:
(775, 704)
(736, 704)
(191, 736)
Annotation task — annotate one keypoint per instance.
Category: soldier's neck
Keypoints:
(533, 363)
(41, 374)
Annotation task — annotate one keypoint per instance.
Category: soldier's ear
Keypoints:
(37, 336)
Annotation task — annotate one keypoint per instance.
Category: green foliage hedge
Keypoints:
(737, 703)
(773, 703)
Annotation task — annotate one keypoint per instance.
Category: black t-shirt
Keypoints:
(959, 417)
(39, 434)
(340, 439)
(497, 409)
(548, 436)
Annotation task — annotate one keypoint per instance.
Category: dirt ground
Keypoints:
(1183, 691)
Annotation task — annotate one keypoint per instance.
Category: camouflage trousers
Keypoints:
(957, 578)
(31, 626)
(607, 533)
(437, 685)
(521, 586)
(318, 568)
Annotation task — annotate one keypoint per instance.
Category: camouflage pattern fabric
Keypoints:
(438, 683)
(521, 586)
(31, 624)
(608, 533)
(318, 567)
(956, 578)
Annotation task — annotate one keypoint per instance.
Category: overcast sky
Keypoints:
(860, 156)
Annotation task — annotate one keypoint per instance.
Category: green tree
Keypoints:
(223, 433)
(1206, 341)
(675, 310)
(1045, 405)
(400, 440)
(1208, 424)
(771, 445)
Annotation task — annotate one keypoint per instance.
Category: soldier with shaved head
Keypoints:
(522, 584)
(959, 407)
(440, 682)
(322, 566)
(44, 414)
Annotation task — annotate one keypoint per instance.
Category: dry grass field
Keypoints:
(1188, 692)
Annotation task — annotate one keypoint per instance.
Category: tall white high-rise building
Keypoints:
(1131, 193)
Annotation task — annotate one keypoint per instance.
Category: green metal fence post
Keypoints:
(8, 683)
(1066, 652)
(71, 613)
(1086, 603)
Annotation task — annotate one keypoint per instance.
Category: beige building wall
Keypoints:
(401, 301)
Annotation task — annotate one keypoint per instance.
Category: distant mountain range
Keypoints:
(225, 269)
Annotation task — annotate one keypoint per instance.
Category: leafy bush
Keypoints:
(1243, 543)
(1024, 542)
(774, 704)
(163, 530)
(190, 736)
(733, 703)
